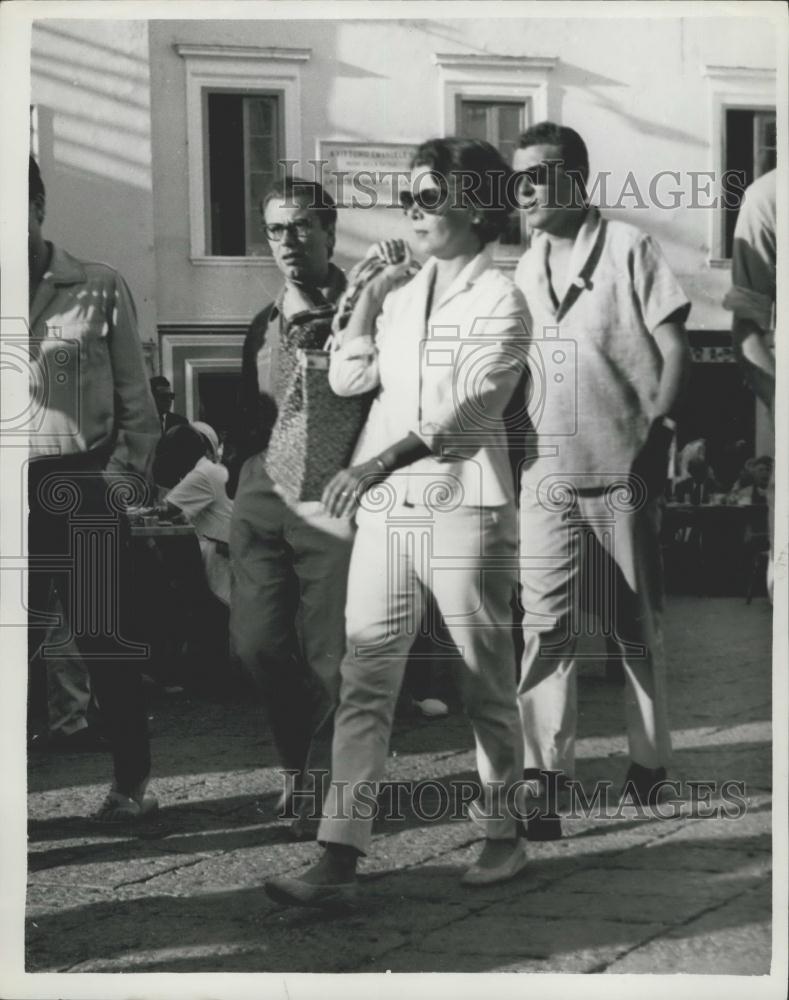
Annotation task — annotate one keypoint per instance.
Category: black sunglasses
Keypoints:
(538, 175)
(432, 200)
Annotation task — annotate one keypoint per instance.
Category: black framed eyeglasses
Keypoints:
(275, 231)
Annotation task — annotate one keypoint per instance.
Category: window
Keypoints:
(495, 97)
(750, 140)
(741, 137)
(499, 123)
(244, 143)
(243, 116)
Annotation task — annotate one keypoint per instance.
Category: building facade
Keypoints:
(157, 140)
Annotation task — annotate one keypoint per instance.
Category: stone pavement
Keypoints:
(622, 894)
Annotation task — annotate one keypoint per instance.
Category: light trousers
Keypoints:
(627, 587)
(398, 557)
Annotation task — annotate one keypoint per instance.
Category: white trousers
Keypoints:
(628, 591)
(398, 556)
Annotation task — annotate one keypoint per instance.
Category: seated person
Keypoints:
(192, 486)
(199, 494)
(697, 481)
(752, 483)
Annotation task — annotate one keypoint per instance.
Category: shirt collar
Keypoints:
(63, 268)
(331, 291)
(467, 277)
(584, 243)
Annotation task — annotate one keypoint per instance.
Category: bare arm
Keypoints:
(755, 357)
(672, 342)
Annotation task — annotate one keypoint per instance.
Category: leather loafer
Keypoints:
(547, 826)
(514, 864)
(299, 892)
(642, 785)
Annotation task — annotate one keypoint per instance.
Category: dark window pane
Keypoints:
(509, 124)
(475, 120)
(261, 115)
(261, 154)
(748, 152)
(226, 175)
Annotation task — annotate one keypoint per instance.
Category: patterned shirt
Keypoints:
(313, 431)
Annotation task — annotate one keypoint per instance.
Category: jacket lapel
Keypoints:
(63, 270)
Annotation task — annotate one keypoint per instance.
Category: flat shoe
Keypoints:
(304, 829)
(508, 869)
(299, 892)
(547, 827)
(118, 809)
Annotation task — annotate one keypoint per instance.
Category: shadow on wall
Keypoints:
(91, 95)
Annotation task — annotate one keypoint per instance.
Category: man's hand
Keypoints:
(344, 492)
(651, 463)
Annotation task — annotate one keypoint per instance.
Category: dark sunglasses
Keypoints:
(538, 175)
(432, 200)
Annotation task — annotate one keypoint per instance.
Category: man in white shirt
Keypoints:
(608, 320)
(752, 300)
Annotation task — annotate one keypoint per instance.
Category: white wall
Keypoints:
(91, 87)
(634, 88)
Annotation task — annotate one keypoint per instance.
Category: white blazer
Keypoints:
(447, 379)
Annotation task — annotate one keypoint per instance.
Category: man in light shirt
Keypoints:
(609, 360)
(752, 300)
(90, 448)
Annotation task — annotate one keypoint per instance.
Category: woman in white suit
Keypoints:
(434, 490)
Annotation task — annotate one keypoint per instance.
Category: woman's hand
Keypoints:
(345, 490)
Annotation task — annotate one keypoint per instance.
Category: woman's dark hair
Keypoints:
(482, 179)
(177, 453)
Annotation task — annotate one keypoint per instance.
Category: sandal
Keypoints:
(118, 809)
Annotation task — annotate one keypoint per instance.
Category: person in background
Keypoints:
(163, 397)
(620, 312)
(432, 458)
(199, 494)
(752, 301)
(289, 555)
(697, 484)
(752, 486)
(96, 437)
(71, 724)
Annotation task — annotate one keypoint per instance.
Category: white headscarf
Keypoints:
(209, 434)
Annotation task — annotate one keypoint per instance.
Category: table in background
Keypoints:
(714, 558)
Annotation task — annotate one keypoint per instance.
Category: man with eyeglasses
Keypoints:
(289, 556)
(608, 319)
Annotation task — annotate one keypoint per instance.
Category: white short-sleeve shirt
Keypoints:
(594, 362)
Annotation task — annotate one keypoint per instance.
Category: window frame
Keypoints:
(731, 88)
(522, 80)
(237, 68)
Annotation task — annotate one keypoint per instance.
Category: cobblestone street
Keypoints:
(625, 894)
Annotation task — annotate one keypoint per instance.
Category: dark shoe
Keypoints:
(299, 892)
(546, 826)
(642, 785)
(303, 828)
(87, 740)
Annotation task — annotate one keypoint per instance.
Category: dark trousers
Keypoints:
(77, 543)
